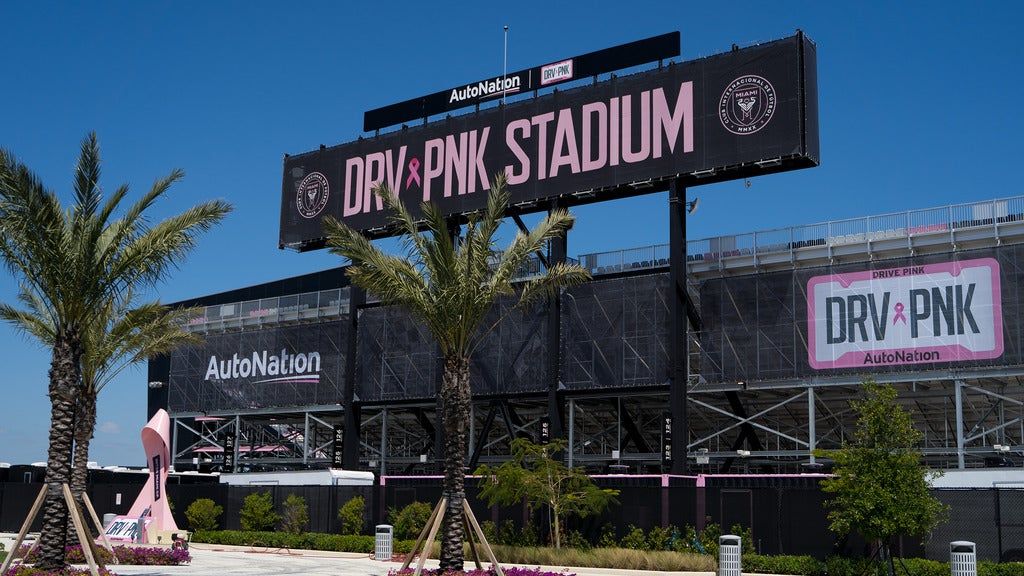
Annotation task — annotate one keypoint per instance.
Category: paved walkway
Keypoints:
(212, 560)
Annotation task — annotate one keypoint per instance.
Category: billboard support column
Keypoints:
(557, 252)
(351, 414)
(812, 432)
(677, 321)
(959, 386)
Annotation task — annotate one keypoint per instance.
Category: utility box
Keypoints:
(730, 548)
(384, 542)
(963, 559)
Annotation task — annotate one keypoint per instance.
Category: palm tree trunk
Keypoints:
(85, 425)
(455, 399)
(65, 375)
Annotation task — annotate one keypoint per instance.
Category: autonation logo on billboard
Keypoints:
(946, 312)
(284, 367)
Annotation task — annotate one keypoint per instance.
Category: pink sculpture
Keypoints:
(156, 438)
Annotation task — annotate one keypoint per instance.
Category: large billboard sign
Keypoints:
(300, 365)
(749, 111)
(584, 66)
(947, 312)
(928, 312)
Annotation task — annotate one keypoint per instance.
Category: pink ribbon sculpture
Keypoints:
(156, 438)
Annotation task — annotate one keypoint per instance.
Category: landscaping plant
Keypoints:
(294, 514)
(879, 486)
(536, 474)
(202, 514)
(75, 263)
(352, 515)
(410, 520)
(258, 512)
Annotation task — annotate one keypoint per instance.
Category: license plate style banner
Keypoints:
(927, 314)
(746, 112)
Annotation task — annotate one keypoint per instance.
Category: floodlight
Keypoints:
(691, 206)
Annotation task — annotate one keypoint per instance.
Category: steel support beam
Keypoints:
(557, 252)
(812, 428)
(383, 441)
(305, 439)
(678, 357)
(351, 416)
(959, 385)
(474, 460)
(572, 431)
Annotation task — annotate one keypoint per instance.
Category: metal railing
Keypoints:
(294, 307)
(987, 213)
(949, 219)
(596, 263)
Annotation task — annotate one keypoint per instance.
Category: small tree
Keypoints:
(880, 487)
(258, 512)
(202, 514)
(295, 516)
(535, 474)
(352, 515)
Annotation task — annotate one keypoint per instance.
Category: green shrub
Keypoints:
(607, 538)
(258, 512)
(508, 534)
(309, 541)
(796, 565)
(202, 514)
(295, 515)
(635, 539)
(709, 539)
(528, 536)
(573, 539)
(658, 538)
(1002, 569)
(409, 521)
(490, 530)
(746, 538)
(352, 515)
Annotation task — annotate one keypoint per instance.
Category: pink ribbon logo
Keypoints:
(414, 173)
(899, 313)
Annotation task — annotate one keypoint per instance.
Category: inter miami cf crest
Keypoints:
(312, 195)
(747, 105)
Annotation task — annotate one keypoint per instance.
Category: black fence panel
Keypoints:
(785, 515)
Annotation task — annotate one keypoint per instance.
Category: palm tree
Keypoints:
(451, 286)
(120, 335)
(75, 260)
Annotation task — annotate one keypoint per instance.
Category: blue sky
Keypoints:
(918, 108)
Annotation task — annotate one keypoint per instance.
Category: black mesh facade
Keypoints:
(615, 333)
(189, 389)
(398, 358)
(755, 327)
(513, 357)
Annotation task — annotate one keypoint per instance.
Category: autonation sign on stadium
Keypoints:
(927, 314)
(301, 365)
(746, 112)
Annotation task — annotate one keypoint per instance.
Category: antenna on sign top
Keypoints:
(504, 68)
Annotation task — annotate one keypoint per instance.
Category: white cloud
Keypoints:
(110, 427)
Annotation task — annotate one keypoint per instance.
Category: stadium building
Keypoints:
(269, 383)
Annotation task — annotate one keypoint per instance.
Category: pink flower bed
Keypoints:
(485, 572)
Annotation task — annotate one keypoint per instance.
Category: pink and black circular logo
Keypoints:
(312, 195)
(747, 105)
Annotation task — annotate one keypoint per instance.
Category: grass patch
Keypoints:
(621, 558)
